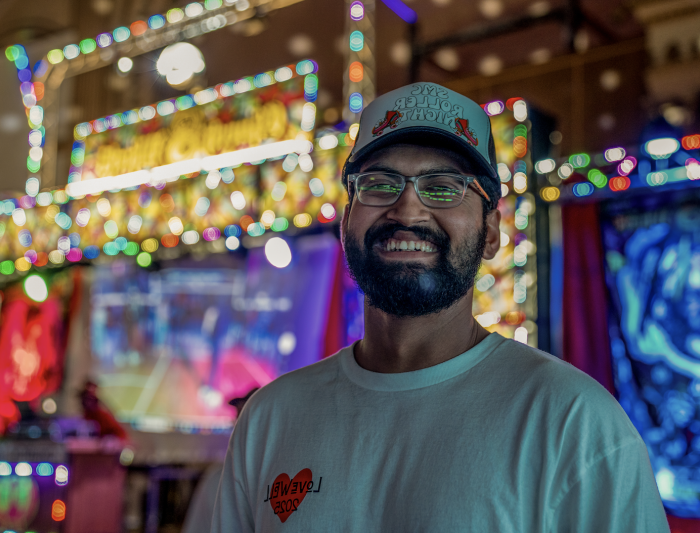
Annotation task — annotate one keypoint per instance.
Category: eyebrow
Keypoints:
(378, 167)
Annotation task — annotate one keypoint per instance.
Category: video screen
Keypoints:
(172, 347)
(653, 275)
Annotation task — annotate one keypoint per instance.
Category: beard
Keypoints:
(413, 289)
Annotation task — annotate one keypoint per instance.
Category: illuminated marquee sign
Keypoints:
(253, 119)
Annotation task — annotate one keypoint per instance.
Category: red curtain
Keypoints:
(586, 344)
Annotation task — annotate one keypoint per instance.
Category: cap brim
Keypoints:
(427, 136)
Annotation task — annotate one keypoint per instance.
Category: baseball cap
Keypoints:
(427, 113)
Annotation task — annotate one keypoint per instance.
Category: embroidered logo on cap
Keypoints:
(462, 128)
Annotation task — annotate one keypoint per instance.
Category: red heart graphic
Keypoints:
(286, 495)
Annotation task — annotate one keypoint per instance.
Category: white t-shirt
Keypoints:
(502, 438)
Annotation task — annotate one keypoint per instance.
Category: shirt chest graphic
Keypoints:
(286, 495)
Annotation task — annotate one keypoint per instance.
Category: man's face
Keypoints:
(448, 244)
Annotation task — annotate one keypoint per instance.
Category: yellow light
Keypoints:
(22, 264)
(550, 194)
(353, 131)
(302, 220)
(267, 218)
(175, 225)
(149, 245)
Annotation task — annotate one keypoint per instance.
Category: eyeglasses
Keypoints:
(441, 191)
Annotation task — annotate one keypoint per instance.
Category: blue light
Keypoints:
(156, 21)
(91, 252)
(357, 41)
(583, 189)
(404, 12)
(44, 469)
(355, 102)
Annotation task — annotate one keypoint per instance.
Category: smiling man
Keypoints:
(430, 423)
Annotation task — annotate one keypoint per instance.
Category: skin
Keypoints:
(393, 344)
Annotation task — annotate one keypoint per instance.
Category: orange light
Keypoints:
(619, 183)
(169, 240)
(41, 259)
(356, 71)
(139, 27)
(515, 317)
(690, 142)
(520, 146)
(58, 511)
(38, 90)
(167, 202)
(245, 222)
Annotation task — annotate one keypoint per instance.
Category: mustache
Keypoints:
(386, 231)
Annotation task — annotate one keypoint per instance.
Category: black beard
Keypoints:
(412, 289)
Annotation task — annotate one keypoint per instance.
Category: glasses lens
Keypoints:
(441, 191)
(378, 189)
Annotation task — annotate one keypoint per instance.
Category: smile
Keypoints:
(395, 245)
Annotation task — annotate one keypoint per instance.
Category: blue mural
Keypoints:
(653, 275)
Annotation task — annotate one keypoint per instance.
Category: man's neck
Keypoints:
(393, 344)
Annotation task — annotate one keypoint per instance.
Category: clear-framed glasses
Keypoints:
(441, 191)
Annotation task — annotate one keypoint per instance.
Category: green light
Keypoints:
(131, 249)
(12, 53)
(212, 4)
(33, 166)
(144, 259)
(580, 160)
(280, 224)
(597, 178)
(87, 46)
(7, 267)
(520, 130)
(55, 56)
(35, 287)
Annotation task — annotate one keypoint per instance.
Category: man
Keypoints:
(430, 423)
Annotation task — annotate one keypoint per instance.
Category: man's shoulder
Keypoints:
(297, 383)
(558, 386)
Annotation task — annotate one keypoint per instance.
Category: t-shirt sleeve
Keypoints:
(616, 493)
(232, 511)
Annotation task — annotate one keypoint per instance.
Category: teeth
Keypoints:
(408, 246)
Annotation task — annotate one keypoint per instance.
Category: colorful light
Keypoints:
(357, 11)
(579, 160)
(583, 189)
(545, 166)
(614, 154)
(691, 142)
(494, 108)
(662, 148)
(58, 511)
(355, 102)
(278, 253)
(121, 34)
(619, 183)
(357, 41)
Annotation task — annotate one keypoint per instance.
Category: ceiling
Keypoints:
(310, 28)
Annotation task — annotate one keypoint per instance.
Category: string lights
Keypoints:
(359, 87)
(42, 82)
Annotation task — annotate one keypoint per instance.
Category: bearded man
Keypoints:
(430, 423)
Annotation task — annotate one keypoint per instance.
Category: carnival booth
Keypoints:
(627, 304)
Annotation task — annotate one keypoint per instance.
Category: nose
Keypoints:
(408, 209)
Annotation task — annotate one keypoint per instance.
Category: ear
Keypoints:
(344, 225)
(493, 234)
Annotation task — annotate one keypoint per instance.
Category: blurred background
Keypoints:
(169, 207)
